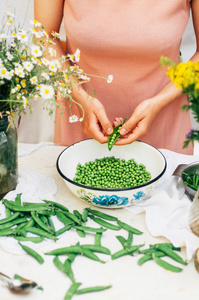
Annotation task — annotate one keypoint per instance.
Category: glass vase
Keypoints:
(8, 157)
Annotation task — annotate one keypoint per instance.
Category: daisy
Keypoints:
(3, 72)
(28, 66)
(20, 72)
(52, 66)
(77, 55)
(21, 36)
(33, 80)
(46, 91)
(73, 119)
(35, 23)
(52, 52)
(45, 75)
(45, 61)
(35, 51)
(9, 56)
(110, 78)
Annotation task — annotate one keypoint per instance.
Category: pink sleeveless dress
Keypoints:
(127, 39)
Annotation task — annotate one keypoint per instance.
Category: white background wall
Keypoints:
(38, 126)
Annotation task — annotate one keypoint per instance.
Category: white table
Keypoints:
(129, 281)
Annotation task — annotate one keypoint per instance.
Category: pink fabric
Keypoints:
(127, 39)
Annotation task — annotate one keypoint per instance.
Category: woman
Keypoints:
(125, 39)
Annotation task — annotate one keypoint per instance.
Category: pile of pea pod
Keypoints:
(36, 218)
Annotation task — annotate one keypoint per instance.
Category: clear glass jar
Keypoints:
(8, 158)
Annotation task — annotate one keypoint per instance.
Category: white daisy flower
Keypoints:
(25, 101)
(3, 36)
(9, 56)
(55, 34)
(36, 51)
(9, 14)
(52, 52)
(33, 80)
(46, 91)
(45, 75)
(45, 61)
(52, 66)
(9, 75)
(19, 72)
(9, 22)
(110, 78)
(21, 36)
(77, 55)
(28, 66)
(73, 119)
(3, 72)
(35, 23)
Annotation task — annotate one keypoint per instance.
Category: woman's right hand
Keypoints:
(95, 123)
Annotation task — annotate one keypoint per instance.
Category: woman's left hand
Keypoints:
(139, 123)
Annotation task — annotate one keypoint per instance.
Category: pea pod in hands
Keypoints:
(113, 137)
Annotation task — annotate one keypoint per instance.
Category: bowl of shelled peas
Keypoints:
(111, 179)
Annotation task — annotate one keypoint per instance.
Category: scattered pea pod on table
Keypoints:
(36, 218)
(113, 137)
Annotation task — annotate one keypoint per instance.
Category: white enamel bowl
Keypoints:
(89, 150)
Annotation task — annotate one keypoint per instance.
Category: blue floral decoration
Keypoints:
(139, 195)
(113, 200)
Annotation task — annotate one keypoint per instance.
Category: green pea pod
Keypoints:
(96, 248)
(37, 239)
(33, 253)
(69, 271)
(56, 204)
(81, 233)
(102, 215)
(14, 222)
(171, 253)
(9, 219)
(90, 229)
(98, 237)
(113, 137)
(18, 199)
(40, 232)
(92, 289)
(166, 265)
(128, 227)
(128, 251)
(85, 215)
(63, 229)
(72, 290)
(105, 224)
(40, 222)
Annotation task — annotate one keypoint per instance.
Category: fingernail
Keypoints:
(122, 131)
(109, 130)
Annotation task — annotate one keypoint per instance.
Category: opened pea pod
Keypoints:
(114, 136)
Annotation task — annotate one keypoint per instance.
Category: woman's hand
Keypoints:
(139, 123)
(95, 123)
